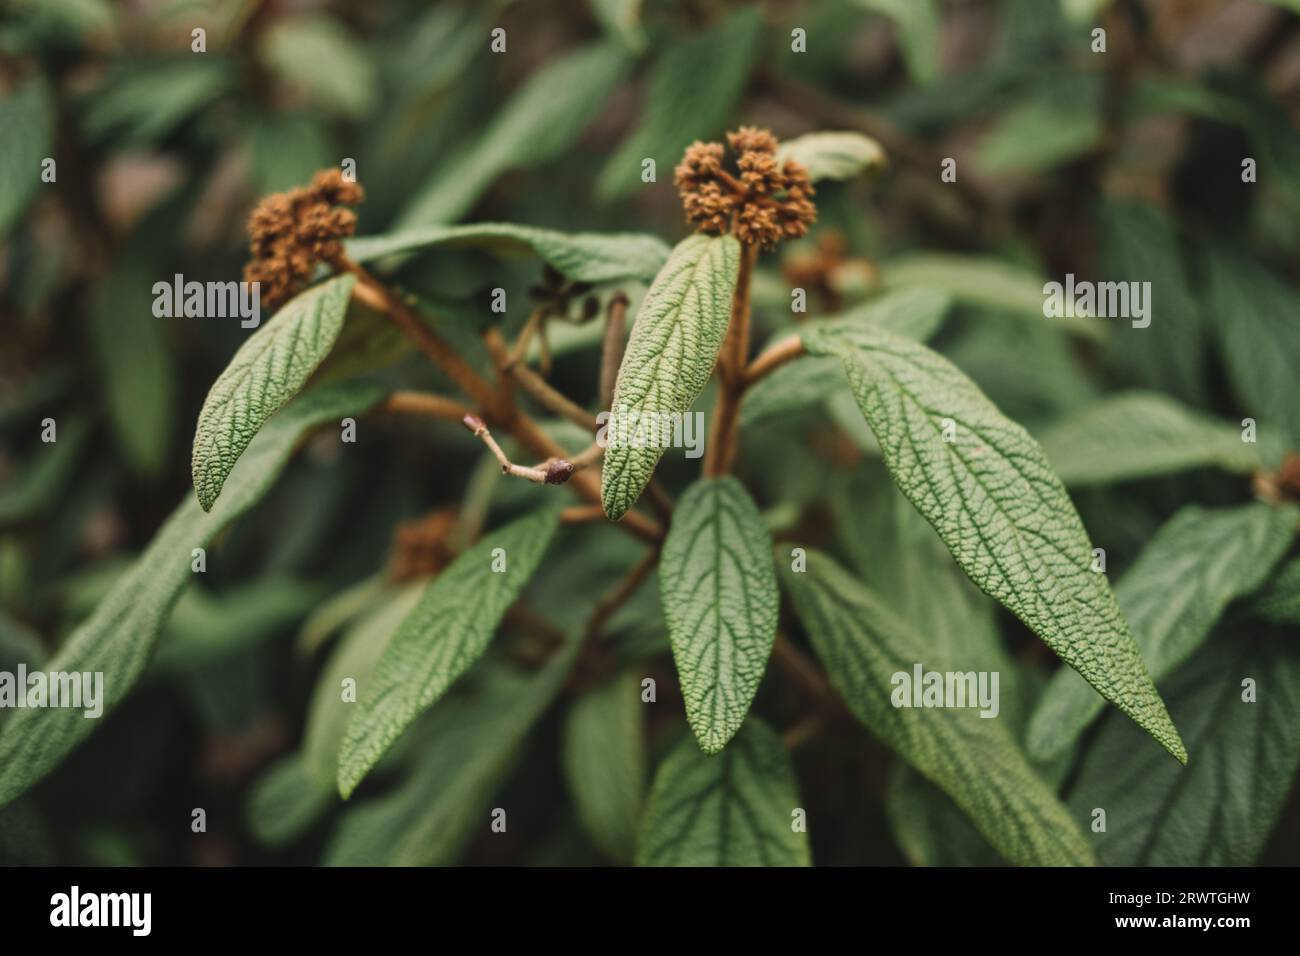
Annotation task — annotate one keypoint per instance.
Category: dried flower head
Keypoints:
(292, 231)
(765, 203)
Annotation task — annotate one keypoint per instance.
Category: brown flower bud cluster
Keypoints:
(762, 205)
(290, 232)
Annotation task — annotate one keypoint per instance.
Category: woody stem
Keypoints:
(721, 449)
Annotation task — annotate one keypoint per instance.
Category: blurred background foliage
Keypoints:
(1125, 164)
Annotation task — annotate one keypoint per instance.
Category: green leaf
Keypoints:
(1199, 562)
(999, 508)
(355, 658)
(1253, 315)
(468, 743)
(538, 123)
(915, 312)
(266, 372)
(719, 597)
(1221, 807)
(974, 759)
(917, 22)
(446, 632)
(285, 802)
(27, 117)
(670, 354)
(833, 155)
(605, 763)
(119, 637)
(135, 361)
(692, 92)
(580, 256)
(1135, 435)
(144, 102)
(732, 809)
(317, 53)
(981, 281)
(1280, 600)
(1142, 241)
(1055, 123)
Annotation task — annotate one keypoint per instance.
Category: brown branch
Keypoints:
(582, 514)
(721, 449)
(551, 399)
(427, 404)
(621, 592)
(556, 471)
(374, 293)
(786, 350)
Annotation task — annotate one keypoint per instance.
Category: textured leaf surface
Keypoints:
(1221, 807)
(833, 155)
(355, 658)
(1199, 562)
(580, 256)
(1280, 601)
(266, 372)
(1139, 435)
(719, 595)
(466, 746)
(996, 504)
(974, 759)
(537, 124)
(733, 809)
(446, 632)
(691, 93)
(605, 763)
(119, 637)
(917, 313)
(27, 117)
(670, 354)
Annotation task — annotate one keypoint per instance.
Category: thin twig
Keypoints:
(721, 447)
(427, 404)
(555, 472)
(621, 592)
(785, 350)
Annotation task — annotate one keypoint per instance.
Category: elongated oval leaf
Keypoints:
(833, 155)
(670, 354)
(580, 256)
(266, 372)
(986, 487)
(1140, 435)
(538, 123)
(1221, 807)
(466, 744)
(120, 635)
(733, 809)
(692, 91)
(974, 759)
(446, 632)
(718, 589)
(605, 763)
(1197, 564)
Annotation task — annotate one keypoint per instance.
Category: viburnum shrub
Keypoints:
(418, 670)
